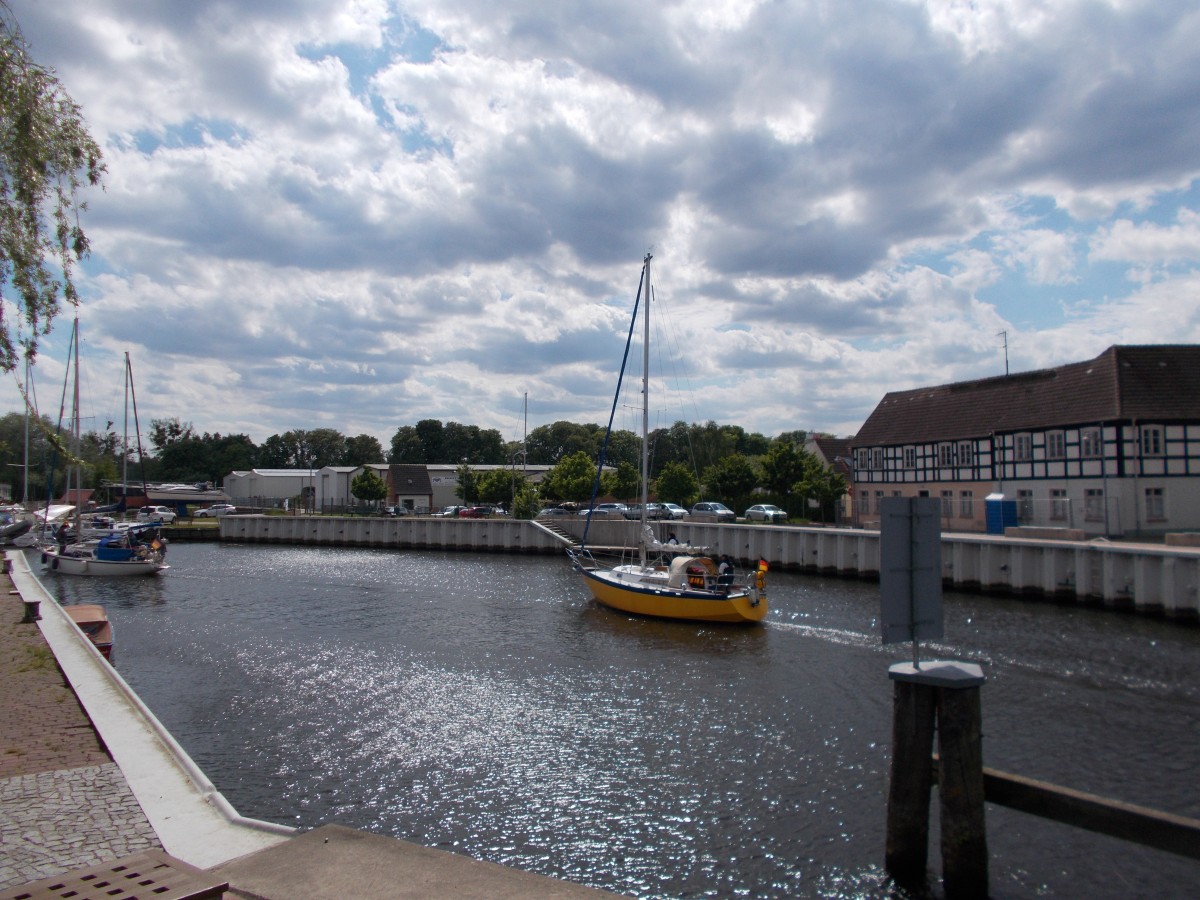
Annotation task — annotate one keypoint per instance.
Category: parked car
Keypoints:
(395, 511)
(606, 511)
(714, 510)
(653, 511)
(163, 515)
(216, 509)
(765, 512)
(676, 511)
(553, 511)
(449, 512)
(475, 512)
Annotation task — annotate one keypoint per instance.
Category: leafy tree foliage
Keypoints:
(46, 156)
(823, 485)
(571, 479)
(677, 484)
(361, 450)
(429, 441)
(497, 486)
(367, 485)
(164, 432)
(548, 445)
(623, 483)
(731, 480)
(407, 446)
(468, 486)
(783, 467)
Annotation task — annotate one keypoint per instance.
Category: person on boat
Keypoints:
(63, 536)
(725, 573)
(672, 539)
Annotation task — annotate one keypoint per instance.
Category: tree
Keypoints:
(623, 483)
(783, 467)
(571, 479)
(677, 484)
(467, 489)
(164, 432)
(361, 450)
(46, 156)
(823, 485)
(407, 446)
(732, 480)
(367, 485)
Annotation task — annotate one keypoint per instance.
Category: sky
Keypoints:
(358, 215)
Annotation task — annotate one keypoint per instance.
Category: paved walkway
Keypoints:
(64, 803)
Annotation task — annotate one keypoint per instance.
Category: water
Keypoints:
(484, 704)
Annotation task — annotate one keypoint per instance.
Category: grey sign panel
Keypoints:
(910, 569)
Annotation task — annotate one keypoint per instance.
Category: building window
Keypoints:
(863, 459)
(1152, 440)
(945, 455)
(966, 454)
(1023, 448)
(1059, 504)
(864, 502)
(947, 504)
(910, 457)
(966, 504)
(877, 458)
(1093, 504)
(1025, 506)
(1056, 445)
(1090, 445)
(1155, 505)
(879, 501)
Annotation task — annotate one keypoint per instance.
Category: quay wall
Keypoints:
(1152, 578)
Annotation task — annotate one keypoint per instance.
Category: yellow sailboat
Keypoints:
(668, 581)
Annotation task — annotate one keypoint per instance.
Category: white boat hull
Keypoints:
(66, 564)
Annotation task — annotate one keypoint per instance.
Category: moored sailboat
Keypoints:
(669, 582)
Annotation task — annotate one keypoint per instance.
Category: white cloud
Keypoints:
(303, 226)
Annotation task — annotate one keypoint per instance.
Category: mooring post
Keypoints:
(945, 693)
(960, 792)
(913, 711)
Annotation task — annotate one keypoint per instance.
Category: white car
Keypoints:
(216, 509)
(676, 511)
(765, 512)
(163, 515)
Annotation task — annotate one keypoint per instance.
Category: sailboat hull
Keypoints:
(66, 564)
(660, 601)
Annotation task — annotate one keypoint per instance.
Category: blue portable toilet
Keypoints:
(1000, 513)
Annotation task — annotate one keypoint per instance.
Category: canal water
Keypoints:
(484, 704)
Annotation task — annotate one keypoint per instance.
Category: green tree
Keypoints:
(407, 446)
(430, 432)
(46, 156)
(367, 485)
(731, 480)
(824, 486)
(497, 486)
(677, 484)
(525, 504)
(164, 432)
(548, 445)
(622, 483)
(783, 467)
(571, 479)
(468, 484)
(362, 449)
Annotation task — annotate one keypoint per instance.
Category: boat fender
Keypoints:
(760, 580)
(44, 559)
(54, 563)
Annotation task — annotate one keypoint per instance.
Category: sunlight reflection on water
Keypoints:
(482, 703)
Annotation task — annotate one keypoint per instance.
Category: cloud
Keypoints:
(359, 215)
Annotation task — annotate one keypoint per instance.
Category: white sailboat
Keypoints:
(138, 550)
(663, 583)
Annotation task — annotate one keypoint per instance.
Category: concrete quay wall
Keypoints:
(1152, 578)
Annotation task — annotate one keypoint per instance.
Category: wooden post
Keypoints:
(911, 779)
(948, 693)
(960, 793)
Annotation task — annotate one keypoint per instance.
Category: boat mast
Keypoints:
(645, 410)
(78, 444)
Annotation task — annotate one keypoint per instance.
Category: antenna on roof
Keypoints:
(1004, 334)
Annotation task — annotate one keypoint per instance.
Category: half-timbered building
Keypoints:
(1110, 446)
